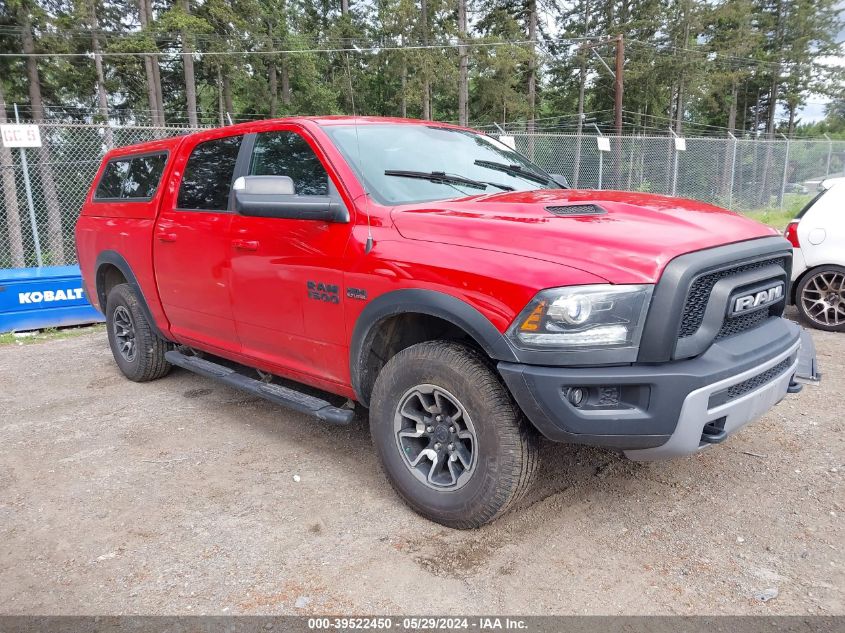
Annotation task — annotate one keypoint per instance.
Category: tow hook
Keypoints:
(714, 432)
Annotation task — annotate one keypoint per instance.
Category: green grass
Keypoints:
(776, 218)
(48, 334)
(779, 218)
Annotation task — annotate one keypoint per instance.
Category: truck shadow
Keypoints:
(566, 466)
(562, 467)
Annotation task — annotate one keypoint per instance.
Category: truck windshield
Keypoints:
(401, 164)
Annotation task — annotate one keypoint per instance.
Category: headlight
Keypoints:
(580, 317)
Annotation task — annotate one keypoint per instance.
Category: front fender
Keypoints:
(419, 301)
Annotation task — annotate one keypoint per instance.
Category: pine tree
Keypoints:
(26, 14)
(10, 198)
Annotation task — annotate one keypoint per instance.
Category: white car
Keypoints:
(818, 269)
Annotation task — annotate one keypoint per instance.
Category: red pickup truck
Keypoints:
(438, 278)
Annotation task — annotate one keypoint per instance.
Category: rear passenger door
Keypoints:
(287, 274)
(192, 244)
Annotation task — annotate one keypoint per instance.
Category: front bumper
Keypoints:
(657, 411)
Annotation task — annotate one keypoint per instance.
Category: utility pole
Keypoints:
(582, 82)
(188, 69)
(463, 65)
(426, 87)
(620, 88)
(617, 108)
(619, 80)
(532, 67)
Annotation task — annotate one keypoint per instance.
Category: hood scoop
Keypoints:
(570, 210)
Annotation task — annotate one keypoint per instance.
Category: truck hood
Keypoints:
(630, 241)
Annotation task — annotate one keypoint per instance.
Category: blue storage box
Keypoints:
(35, 298)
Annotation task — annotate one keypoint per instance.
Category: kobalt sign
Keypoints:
(68, 294)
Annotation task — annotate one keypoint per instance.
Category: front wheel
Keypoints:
(820, 298)
(451, 440)
(136, 348)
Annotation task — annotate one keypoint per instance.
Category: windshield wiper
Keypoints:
(438, 177)
(514, 170)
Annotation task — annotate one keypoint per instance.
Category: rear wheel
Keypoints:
(136, 348)
(451, 440)
(821, 298)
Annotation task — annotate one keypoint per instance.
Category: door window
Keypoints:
(288, 154)
(208, 175)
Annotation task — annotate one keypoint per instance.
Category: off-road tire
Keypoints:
(804, 292)
(148, 361)
(507, 446)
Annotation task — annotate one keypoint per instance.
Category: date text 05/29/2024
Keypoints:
(481, 623)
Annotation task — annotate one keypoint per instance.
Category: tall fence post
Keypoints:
(28, 187)
(829, 152)
(576, 164)
(669, 161)
(785, 173)
(674, 162)
(601, 155)
(733, 172)
(601, 166)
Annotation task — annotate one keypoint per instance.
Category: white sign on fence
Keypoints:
(680, 144)
(603, 143)
(510, 141)
(18, 135)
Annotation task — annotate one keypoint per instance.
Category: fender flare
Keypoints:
(117, 260)
(430, 302)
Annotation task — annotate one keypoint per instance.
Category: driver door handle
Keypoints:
(166, 237)
(245, 245)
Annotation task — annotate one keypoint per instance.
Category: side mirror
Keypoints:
(275, 197)
(561, 180)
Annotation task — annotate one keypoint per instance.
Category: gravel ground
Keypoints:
(182, 496)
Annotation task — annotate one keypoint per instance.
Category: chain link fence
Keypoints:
(42, 189)
(741, 174)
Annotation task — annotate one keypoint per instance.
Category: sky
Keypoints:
(814, 108)
(813, 111)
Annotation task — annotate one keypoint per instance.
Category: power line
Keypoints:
(174, 38)
(668, 119)
(556, 117)
(293, 51)
(717, 57)
(347, 45)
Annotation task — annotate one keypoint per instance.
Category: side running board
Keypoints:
(284, 396)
